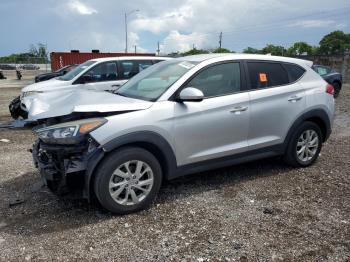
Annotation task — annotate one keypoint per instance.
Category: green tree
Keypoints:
(336, 42)
(195, 51)
(299, 48)
(274, 50)
(251, 50)
(221, 50)
(39, 51)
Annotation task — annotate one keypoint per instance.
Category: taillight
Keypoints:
(330, 89)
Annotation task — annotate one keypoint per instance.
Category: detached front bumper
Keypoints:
(67, 168)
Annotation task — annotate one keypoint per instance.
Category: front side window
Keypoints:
(218, 80)
(152, 82)
(133, 67)
(103, 72)
(76, 71)
(265, 74)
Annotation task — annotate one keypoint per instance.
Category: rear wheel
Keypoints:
(128, 180)
(337, 88)
(304, 145)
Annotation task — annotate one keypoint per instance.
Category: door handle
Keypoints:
(239, 109)
(294, 98)
(116, 85)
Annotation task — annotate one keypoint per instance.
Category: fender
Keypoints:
(315, 113)
(142, 138)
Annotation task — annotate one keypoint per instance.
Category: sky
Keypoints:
(177, 25)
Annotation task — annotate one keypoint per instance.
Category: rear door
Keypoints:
(130, 68)
(218, 125)
(276, 100)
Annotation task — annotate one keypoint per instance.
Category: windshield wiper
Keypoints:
(119, 94)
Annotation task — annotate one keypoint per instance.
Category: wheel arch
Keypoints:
(148, 140)
(317, 116)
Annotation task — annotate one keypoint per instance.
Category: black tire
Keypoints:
(14, 107)
(337, 88)
(291, 156)
(110, 164)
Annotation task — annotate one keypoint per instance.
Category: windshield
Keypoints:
(76, 71)
(152, 82)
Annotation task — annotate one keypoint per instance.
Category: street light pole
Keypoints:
(126, 27)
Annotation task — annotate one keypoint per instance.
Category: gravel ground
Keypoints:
(262, 211)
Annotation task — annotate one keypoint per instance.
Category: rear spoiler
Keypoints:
(308, 63)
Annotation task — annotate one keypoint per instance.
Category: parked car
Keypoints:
(60, 72)
(331, 76)
(102, 74)
(7, 67)
(185, 116)
(29, 67)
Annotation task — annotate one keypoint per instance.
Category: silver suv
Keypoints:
(185, 116)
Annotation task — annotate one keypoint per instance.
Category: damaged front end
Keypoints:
(66, 155)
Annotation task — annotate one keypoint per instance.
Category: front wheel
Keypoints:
(304, 145)
(128, 180)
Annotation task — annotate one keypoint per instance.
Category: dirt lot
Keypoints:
(262, 211)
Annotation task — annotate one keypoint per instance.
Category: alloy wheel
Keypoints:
(131, 182)
(307, 145)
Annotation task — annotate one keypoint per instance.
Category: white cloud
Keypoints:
(182, 42)
(312, 23)
(170, 19)
(199, 22)
(80, 8)
(133, 39)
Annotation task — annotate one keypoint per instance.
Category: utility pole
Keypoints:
(220, 40)
(158, 49)
(193, 46)
(126, 27)
(135, 49)
(126, 33)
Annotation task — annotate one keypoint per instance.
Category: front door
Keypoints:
(218, 125)
(103, 77)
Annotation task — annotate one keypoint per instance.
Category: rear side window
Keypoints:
(264, 74)
(133, 67)
(322, 70)
(294, 71)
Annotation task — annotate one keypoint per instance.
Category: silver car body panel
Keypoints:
(209, 129)
(215, 127)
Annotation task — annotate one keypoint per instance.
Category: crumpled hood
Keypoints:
(54, 104)
(48, 85)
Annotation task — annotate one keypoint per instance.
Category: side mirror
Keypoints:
(190, 94)
(85, 79)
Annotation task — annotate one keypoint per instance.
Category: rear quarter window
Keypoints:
(295, 72)
(266, 74)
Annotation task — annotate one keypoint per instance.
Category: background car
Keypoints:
(331, 76)
(30, 67)
(60, 72)
(7, 67)
(102, 74)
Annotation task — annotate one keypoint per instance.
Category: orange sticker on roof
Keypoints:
(263, 77)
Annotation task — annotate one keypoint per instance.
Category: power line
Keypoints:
(277, 24)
